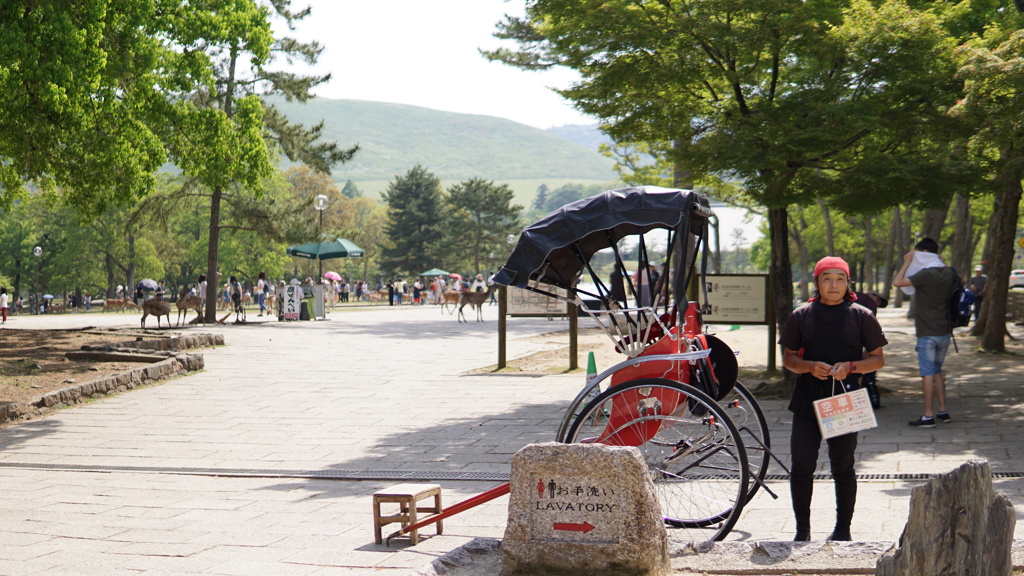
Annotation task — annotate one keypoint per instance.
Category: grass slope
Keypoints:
(395, 137)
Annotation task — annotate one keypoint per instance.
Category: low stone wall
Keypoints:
(178, 364)
(175, 364)
(186, 342)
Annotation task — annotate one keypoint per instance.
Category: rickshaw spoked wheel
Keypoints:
(693, 450)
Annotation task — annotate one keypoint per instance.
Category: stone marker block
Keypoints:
(957, 526)
(583, 509)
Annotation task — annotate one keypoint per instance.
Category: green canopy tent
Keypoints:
(434, 272)
(327, 250)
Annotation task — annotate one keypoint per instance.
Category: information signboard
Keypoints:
(292, 301)
(523, 302)
(737, 299)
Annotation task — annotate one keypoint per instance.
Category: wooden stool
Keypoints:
(406, 495)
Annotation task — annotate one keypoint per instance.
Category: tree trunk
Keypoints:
(1002, 229)
(129, 289)
(108, 267)
(934, 221)
(890, 253)
(907, 242)
(829, 232)
(868, 281)
(962, 236)
(801, 248)
(212, 279)
(716, 252)
(781, 271)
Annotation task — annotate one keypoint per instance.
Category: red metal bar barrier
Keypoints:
(496, 492)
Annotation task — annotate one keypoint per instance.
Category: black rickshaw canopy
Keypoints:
(555, 249)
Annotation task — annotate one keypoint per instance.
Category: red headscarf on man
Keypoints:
(829, 262)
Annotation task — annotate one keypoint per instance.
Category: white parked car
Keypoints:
(1017, 279)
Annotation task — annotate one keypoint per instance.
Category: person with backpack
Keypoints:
(829, 361)
(927, 278)
(979, 283)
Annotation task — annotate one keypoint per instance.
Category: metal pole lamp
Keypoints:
(320, 203)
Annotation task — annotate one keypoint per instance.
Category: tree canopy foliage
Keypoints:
(799, 102)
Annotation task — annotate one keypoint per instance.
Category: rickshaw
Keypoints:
(676, 396)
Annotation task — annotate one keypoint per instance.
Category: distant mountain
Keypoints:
(586, 135)
(395, 137)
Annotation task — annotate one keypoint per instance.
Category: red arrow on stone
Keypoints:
(585, 527)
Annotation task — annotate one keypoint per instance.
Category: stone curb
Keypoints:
(178, 363)
(172, 343)
(465, 556)
(480, 556)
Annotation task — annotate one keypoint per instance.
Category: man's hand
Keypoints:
(821, 370)
(840, 371)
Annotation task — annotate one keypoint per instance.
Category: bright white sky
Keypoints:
(424, 53)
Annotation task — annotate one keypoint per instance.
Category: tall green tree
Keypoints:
(480, 216)
(764, 91)
(414, 230)
(82, 85)
(231, 130)
(993, 71)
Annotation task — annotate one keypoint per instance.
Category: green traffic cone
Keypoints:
(591, 374)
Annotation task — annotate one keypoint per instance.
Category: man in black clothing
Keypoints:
(978, 285)
(824, 341)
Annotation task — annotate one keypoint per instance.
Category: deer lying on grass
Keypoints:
(475, 300)
(185, 303)
(119, 304)
(156, 308)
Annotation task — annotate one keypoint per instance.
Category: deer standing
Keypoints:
(474, 300)
(449, 297)
(188, 302)
(156, 308)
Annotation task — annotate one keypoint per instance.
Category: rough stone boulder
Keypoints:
(957, 526)
(583, 509)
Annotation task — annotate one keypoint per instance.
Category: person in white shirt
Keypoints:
(478, 284)
(399, 291)
(261, 292)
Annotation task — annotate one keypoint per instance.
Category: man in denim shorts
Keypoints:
(929, 280)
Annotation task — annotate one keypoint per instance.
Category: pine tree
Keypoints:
(479, 216)
(414, 229)
(351, 190)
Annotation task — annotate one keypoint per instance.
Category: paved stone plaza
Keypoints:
(264, 463)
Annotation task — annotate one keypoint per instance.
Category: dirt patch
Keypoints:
(32, 362)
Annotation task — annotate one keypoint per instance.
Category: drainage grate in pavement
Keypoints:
(324, 474)
(421, 475)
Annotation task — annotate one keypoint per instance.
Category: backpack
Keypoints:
(961, 300)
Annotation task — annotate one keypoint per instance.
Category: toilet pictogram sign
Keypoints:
(564, 509)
